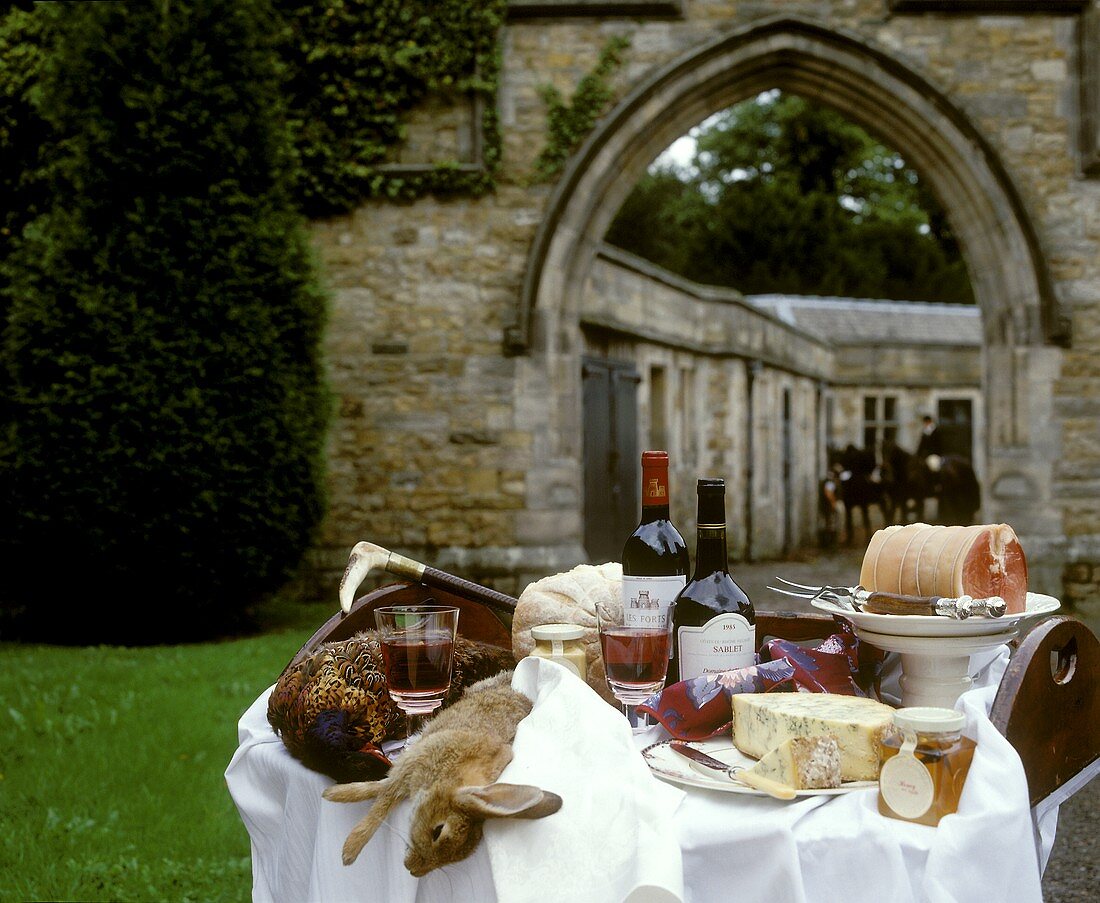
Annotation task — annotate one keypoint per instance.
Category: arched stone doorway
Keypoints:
(1023, 324)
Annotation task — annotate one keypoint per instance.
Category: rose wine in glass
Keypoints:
(635, 659)
(417, 654)
(418, 667)
(632, 657)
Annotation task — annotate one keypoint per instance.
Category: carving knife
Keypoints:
(738, 775)
(959, 608)
(881, 603)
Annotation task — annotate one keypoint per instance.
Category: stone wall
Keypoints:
(710, 343)
(431, 450)
(452, 447)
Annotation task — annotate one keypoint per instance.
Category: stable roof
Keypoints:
(866, 321)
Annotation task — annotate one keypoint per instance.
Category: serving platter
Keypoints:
(1037, 605)
(675, 769)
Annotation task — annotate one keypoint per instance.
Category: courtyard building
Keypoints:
(471, 338)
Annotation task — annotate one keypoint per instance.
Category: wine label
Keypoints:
(725, 642)
(904, 781)
(646, 599)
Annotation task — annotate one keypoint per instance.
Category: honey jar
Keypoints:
(925, 759)
(561, 643)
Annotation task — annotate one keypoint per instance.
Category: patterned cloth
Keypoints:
(699, 708)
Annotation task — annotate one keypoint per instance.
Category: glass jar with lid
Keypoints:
(561, 643)
(925, 759)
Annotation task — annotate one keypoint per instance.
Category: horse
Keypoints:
(910, 480)
(858, 487)
(828, 509)
(907, 484)
(958, 491)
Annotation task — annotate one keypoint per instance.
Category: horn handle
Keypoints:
(367, 556)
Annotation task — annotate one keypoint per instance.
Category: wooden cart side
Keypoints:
(1048, 705)
(475, 621)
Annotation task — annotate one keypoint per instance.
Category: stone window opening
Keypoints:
(688, 448)
(658, 408)
(880, 422)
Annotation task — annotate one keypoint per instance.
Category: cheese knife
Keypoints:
(736, 774)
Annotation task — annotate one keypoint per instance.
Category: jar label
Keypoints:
(646, 599)
(568, 664)
(571, 660)
(904, 782)
(725, 642)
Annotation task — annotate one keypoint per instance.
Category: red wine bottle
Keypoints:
(714, 622)
(655, 556)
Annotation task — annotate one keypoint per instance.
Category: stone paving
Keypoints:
(1073, 872)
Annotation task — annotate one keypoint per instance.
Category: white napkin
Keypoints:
(614, 837)
(817, 849)
(622, 835)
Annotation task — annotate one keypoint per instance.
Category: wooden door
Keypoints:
(955, 424)
(611, 462)
(788, 487)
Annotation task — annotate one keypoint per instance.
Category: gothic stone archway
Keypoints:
(1023, 324)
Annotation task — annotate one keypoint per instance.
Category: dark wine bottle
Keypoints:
(714, 623)
(655, 556)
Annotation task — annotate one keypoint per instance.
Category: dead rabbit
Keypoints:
(450, 773)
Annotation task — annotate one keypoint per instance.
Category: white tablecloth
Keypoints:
(728, 846)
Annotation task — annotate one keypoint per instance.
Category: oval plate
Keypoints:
(674, 768)
(933, 625)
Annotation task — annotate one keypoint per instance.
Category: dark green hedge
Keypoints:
(24, 136)
(162, 455)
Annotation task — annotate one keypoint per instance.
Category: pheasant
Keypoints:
(332, 709)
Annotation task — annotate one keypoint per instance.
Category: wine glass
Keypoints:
(418, 644)
(635, 658)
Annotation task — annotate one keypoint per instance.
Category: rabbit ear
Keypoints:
(508, 801)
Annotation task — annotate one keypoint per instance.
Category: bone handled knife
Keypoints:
(958, 608)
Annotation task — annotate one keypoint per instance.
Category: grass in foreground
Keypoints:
(112, 762)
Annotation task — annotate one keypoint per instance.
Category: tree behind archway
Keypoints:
(785, 195)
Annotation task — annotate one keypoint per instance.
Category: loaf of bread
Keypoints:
(922, 560)
(570, 598)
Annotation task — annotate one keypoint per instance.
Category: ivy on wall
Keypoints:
(355, 68)
(352, 71)
(569, 123)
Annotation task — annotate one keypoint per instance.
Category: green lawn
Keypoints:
(112, 762)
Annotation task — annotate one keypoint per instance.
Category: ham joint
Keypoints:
(922, 560)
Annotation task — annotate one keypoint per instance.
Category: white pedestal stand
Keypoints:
(935, 670)
(935, 651)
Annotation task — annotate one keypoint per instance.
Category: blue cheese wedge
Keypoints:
(764, 721)
(804, 763)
